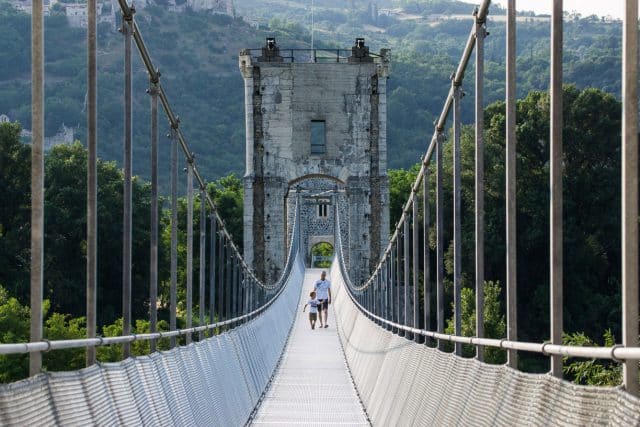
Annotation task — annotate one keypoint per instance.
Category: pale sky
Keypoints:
(614, 8)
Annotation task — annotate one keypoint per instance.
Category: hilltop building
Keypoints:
(108, 10)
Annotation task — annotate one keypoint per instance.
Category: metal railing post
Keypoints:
(392, 283)
(555, 171)
(92, 179)
(153, 238)
(221, 286)
(372, 295)
(189, 247)
(212, 269)
(406, 273)
(238, 288)
(173, 291)
(250, 289)
(227, 282)
(481, 33)
(37, 180)
(439, 238)
(399, 281)
(203, 250)
(416, 266)
(244, 280)
(254, 290)
(238, 285)
(457, 216)
(375, 288)
(381, 289)
(630, 192)
(127, 222)
(241, 293)
(427, 262)
(234, 286)
(512, 312)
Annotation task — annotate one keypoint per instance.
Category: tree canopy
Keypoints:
(591, 177)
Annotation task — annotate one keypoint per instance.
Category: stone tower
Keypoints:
(315, 128)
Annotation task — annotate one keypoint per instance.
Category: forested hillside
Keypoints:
(197, 56)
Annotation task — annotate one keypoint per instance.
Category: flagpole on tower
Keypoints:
(312, 24)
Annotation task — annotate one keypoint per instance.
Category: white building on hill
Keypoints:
(25, 5)
(107, 9)
(224, 7)
(76, 15)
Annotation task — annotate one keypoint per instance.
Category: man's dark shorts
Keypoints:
(313, 316)
(324, 304)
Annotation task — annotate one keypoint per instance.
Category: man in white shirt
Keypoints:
(323, 292)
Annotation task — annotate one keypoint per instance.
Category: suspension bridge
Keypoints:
(381, 361)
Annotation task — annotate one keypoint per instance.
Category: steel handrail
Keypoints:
(616, 352)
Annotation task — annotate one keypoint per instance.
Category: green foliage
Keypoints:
(111, 353)
(495, 325)
(591, 372)
(14, 57)
(63, 327)
(143, 326)
(14, 328)
(227, 193)
(591, 226)
(400, 182)
(114, 352)
(15, 214)
(15, 321)
(323, 249)
(65, 240)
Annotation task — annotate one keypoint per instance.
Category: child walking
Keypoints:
(313, 304)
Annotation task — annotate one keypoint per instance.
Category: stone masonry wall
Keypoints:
(282, 99)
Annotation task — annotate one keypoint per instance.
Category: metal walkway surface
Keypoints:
(312, 385)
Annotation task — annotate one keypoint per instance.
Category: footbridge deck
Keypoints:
(312, 385)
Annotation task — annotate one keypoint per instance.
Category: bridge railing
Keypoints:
(235, 293)
(392, 294)
(294, 247)
(314, 55)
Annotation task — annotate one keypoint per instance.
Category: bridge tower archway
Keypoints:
(318, 196)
